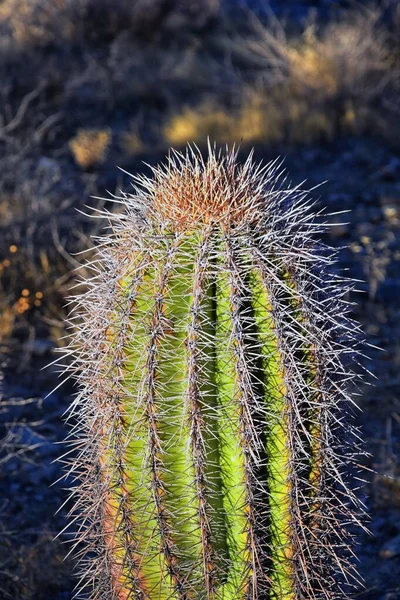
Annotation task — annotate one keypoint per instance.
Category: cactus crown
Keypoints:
(188, 193)
(209, 432)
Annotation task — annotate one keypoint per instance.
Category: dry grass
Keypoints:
(89, 147)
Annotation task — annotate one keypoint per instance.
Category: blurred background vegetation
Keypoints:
(91, 85)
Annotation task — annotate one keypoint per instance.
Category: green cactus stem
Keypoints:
(211, 435)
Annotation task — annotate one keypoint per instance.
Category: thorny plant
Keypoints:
(211, 433)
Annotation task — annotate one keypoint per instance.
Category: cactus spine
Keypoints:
(209, 432)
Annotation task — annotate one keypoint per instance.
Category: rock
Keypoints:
(389, 291)
(340, 230)
(395, 595)
(391, 213)
(391, 548)
(369, 198)
(41, 474)
(363, 156)
(150, 16)
(375, 214)
(341, 200)
(389, 172)
(49, 168)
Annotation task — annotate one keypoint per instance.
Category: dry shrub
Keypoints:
(40, 233)
(37, 22)
(32, 291)
(333, 78)
(258, 119)
(150, 16)
(131, 141)
(40, 22)
(194, 125)
(340, 78)
(7, 320)
(89, 146)
(132, 144)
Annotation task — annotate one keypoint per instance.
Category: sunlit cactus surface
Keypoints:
(210, 432)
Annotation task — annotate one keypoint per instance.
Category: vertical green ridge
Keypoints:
(232, 457)
(117, 511)
(174, 428)
(152, 572)
(203, 397)
(278, 447)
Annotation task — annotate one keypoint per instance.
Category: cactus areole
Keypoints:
(210, 435)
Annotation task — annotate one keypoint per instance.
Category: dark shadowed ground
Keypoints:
(105, 92)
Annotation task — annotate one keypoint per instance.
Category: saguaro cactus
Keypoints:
(210, 433)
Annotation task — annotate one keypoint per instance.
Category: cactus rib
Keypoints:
(212, 430)
(202, 395)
